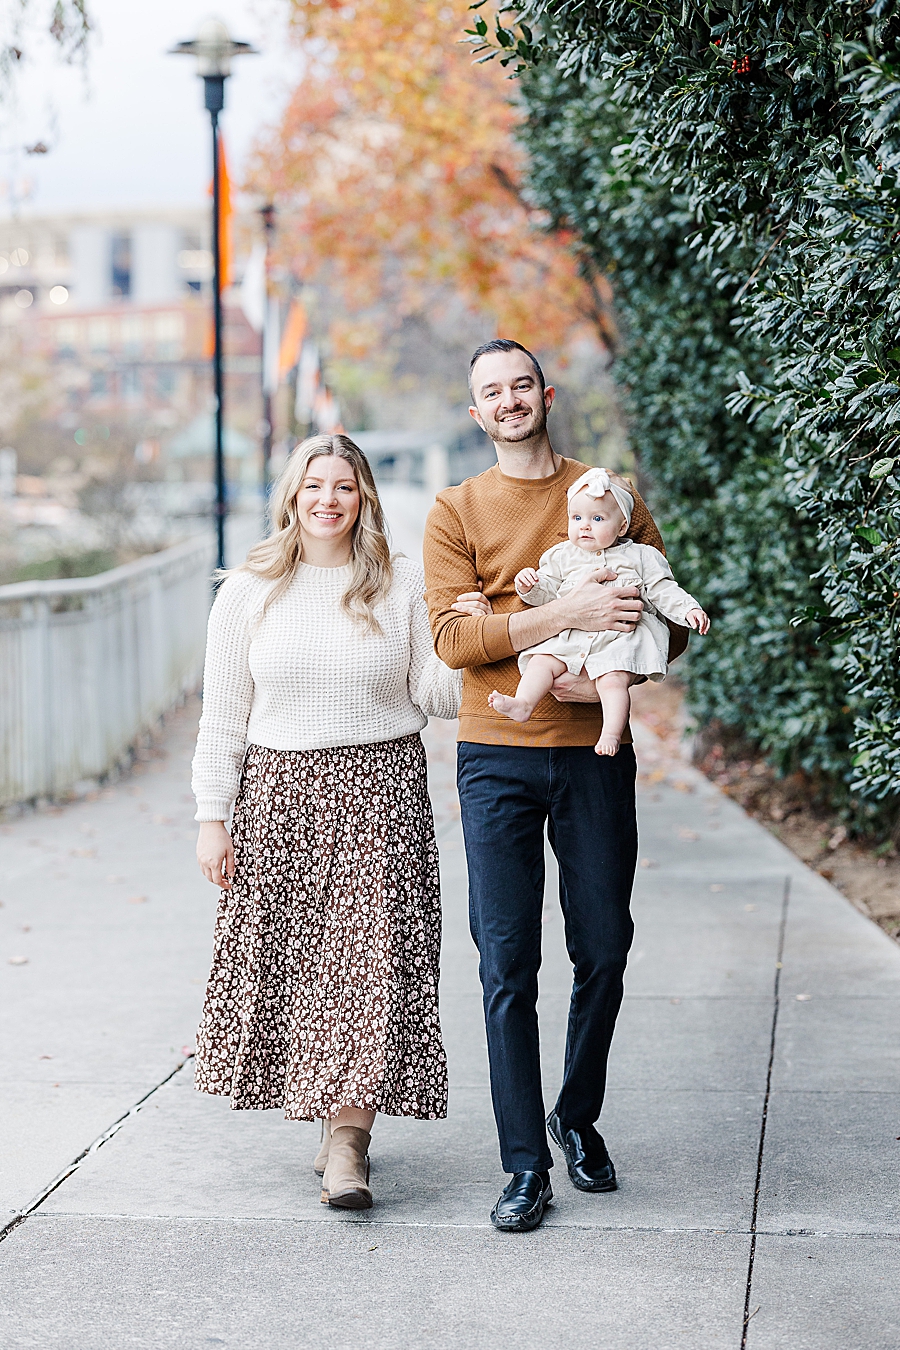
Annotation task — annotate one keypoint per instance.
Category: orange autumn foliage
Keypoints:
(397, 175)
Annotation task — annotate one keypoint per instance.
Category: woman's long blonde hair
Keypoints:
(278, 556)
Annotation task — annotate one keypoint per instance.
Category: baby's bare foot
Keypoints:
(607, 745)
(516, 708)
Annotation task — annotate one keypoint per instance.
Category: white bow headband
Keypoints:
(596, 483)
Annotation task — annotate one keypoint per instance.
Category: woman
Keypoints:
(320, 674)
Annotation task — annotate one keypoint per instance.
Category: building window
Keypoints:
(99, 383)
(99, 335)
(131, 383)
(121, 264)
(132, 332)
(168, 330)
(165, 383)
(68, 336)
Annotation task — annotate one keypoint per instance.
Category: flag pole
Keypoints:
(215, 49)
(268, 218)
(215, 99)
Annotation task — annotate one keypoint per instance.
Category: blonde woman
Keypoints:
(320, 674)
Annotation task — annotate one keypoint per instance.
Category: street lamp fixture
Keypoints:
(215, 49)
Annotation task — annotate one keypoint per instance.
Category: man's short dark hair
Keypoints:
(505, 345)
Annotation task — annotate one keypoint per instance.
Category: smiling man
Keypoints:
(515, 777)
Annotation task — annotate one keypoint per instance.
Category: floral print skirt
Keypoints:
(324, 984)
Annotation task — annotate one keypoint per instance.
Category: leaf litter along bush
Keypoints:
(736, 169)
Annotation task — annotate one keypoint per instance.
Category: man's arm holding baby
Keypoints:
(468, 633)
(614, 608)
(592, 607)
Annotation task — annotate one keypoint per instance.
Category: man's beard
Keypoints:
(523, 432)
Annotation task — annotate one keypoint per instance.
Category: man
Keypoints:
(513, 777)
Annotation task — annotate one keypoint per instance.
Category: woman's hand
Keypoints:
(215, 853)
(474, 603)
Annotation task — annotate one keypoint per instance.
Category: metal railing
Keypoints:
(88, 665)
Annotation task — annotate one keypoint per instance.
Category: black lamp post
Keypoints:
(268, 219)
(214, 49)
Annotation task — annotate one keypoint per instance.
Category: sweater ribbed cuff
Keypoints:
(212, 808)
(495, 637)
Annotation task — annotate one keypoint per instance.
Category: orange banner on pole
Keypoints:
(225, 218)
(292, 338)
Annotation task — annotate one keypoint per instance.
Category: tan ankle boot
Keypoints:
(322, 1155)
(346, 1180)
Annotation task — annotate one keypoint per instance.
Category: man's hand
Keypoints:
(574, 689)
(603, 609)
(215, 853)
(474, 603)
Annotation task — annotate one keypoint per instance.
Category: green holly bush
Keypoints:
(735, 170)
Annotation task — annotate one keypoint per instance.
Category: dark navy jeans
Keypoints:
(506, 794)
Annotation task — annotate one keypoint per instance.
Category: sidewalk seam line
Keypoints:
(75, 1164)
(776, 1004)
(610, 1229)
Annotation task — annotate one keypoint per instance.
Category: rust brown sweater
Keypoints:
(478, 536)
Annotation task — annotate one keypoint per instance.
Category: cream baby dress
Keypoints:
(643, 651)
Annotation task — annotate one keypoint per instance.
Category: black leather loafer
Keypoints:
(590, 1166)
(522, 1204)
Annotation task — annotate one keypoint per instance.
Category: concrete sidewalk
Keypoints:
(753, 1113)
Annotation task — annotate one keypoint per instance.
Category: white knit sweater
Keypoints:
(305, 676)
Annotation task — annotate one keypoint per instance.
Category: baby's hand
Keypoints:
(698, 619)
(527, 579)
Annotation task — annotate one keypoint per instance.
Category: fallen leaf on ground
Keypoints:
(689, 836)
(136, 899)
(749, 908)
(18, 960)
(803, 998)
(717, 887)
(648, 862)
(83, 852)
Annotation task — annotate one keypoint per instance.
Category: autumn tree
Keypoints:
(398, 177)
(66, 21)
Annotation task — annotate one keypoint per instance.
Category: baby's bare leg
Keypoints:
(616, 703)
(539, 675)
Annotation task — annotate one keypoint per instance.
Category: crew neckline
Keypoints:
(320, 573)
(533, 484)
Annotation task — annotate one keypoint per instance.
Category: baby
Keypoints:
(599, 519)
